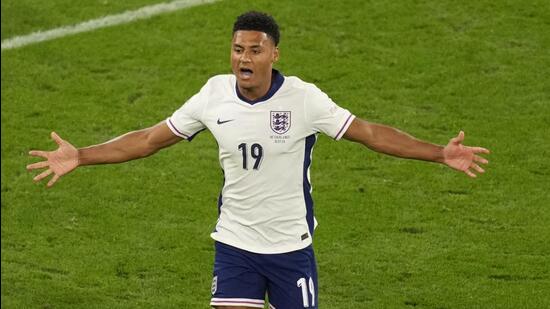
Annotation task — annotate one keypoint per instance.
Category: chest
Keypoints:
(272, 128)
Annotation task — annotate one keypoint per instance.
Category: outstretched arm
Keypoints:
(394, 142)
(130, 146)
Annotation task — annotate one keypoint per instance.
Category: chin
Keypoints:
(245, 84)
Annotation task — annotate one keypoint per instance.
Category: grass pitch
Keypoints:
(392, 234)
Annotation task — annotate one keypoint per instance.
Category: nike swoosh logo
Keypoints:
(223, 121)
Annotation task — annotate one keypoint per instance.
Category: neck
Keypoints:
(254, 93)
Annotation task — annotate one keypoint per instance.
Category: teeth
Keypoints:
(246, 73)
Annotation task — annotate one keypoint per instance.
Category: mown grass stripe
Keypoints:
(107, 21)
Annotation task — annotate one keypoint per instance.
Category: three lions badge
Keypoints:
(280, 121)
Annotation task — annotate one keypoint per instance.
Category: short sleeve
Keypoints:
(186, 121)
(326, 116)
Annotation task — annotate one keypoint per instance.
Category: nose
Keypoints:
(245, 57)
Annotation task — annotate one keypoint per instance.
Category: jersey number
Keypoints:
(305, 297)
(256, 152)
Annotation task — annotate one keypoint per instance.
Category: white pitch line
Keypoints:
(107, 21)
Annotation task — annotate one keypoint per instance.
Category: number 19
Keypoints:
(256, 152)
(305, 297)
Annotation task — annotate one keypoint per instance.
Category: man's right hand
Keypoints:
(59, 162)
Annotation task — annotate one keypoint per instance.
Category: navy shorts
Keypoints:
(243, 278)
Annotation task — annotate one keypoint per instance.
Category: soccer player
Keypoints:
(266, 125)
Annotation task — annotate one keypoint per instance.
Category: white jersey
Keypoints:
(265, 150)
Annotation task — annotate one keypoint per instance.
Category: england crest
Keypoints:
(280, 121)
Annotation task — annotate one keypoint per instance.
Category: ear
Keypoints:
(275, 54)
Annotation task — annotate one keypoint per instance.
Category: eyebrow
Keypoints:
(252, 46)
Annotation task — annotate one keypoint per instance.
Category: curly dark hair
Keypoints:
(258, 21)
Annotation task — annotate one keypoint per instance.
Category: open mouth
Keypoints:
(245, 73)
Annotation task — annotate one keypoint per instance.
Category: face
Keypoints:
(252, 56)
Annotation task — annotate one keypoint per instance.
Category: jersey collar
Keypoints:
(277, 80)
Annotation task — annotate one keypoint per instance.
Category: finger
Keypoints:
(53, 180)
(42, 175)
(36, 165)
(479, 150)
(458, 139)
(469, 173)
(481, 159)
(57, 139)
(38, 153)
(478, 168)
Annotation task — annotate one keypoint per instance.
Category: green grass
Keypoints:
(25, 16)
(392, 234)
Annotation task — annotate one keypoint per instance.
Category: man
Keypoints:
(266, 125)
